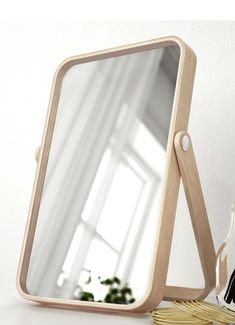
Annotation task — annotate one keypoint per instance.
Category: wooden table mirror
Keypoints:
(114, 149)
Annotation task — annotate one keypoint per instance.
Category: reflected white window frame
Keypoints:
(145, 174)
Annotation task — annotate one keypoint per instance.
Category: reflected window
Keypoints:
(120, 199)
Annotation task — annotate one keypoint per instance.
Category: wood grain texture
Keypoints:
(200, 223)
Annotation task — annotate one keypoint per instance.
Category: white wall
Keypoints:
(29, 55)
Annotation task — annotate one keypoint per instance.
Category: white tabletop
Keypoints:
(16, 311)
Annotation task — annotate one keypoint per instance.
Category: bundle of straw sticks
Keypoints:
(193, 312)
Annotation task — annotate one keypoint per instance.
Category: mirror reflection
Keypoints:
(98, 218)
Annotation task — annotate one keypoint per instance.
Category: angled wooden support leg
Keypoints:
(190, 177)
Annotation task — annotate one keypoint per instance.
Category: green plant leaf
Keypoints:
(86, 296)
(116, 280)
(107, 282)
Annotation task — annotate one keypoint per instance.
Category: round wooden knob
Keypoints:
(185, 142)
(37, 152)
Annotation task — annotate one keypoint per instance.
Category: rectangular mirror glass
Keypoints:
(98, 214)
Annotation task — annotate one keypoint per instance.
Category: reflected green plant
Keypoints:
(117, 294)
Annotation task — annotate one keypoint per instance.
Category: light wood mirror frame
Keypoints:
(179, 163)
